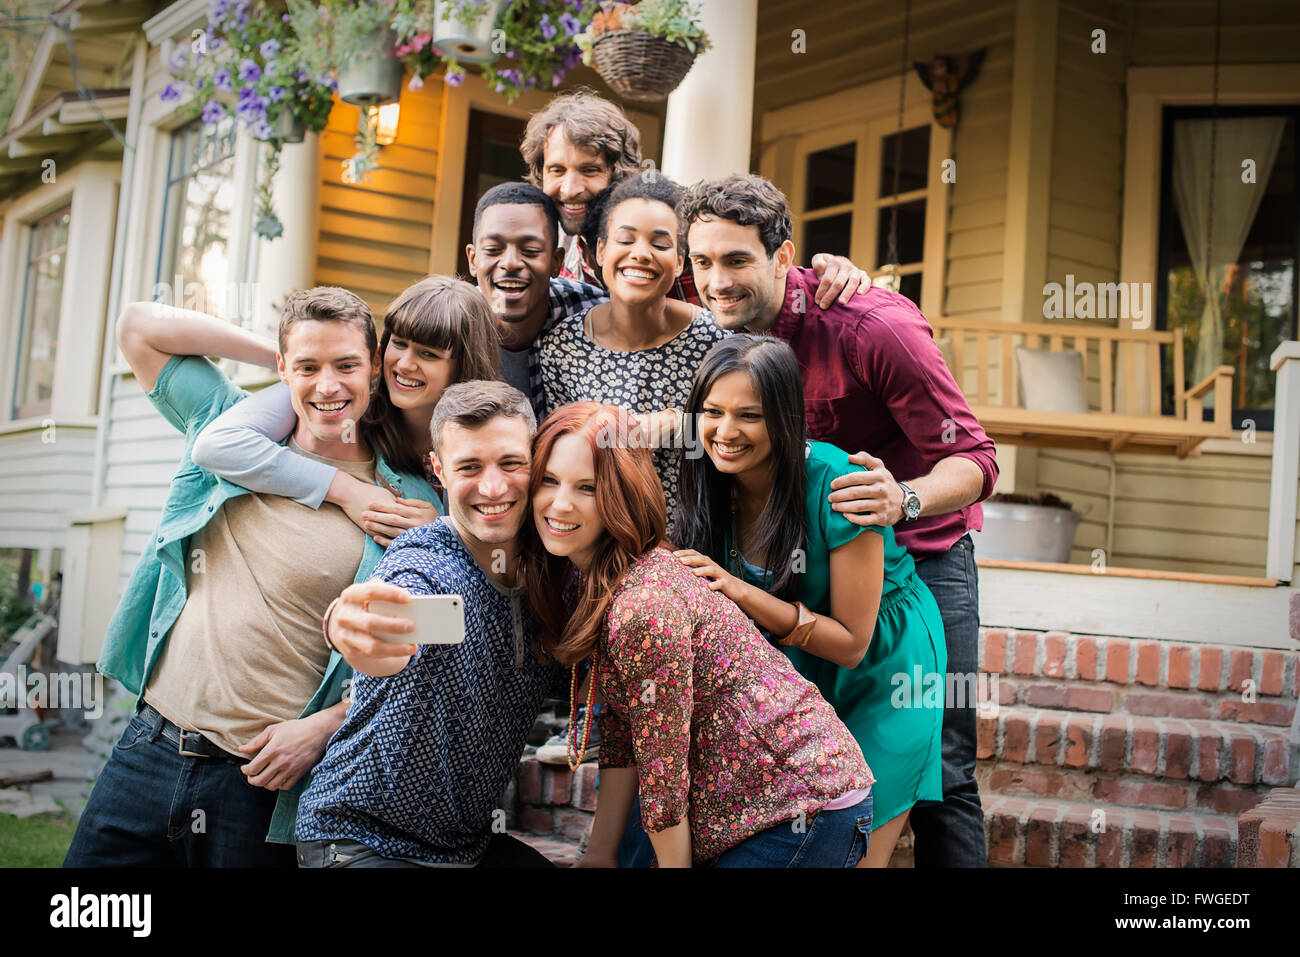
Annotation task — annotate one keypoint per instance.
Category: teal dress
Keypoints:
(892, 702)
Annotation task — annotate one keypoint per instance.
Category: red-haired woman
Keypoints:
(739, 761)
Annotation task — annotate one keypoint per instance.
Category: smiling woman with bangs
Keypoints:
(438, 332)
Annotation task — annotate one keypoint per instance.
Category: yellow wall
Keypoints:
(375, 236)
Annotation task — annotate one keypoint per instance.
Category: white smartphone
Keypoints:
(439, 619)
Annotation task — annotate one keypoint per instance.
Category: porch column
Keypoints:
(710, 116)
(1283, 543)
(287, 264)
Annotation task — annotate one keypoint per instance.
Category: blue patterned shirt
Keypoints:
(419, 766)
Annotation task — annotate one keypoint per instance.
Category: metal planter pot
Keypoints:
(375, 78)
(467, 44)
(1027, 533)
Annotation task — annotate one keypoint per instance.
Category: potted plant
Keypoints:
(1031, 528)
(644, 50)
(245, 65)
(533, 42)
(357, 41)
(462, 29)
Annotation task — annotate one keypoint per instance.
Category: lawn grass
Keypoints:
(38, 841)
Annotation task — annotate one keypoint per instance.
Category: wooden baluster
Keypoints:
(1153, 377)
(1009, 397)
(1130, 378)
(959, 358)
(1056, 343)
(982, 366)
(1104, 360)
(1180, 384)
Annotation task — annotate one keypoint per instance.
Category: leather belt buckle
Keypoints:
(199, 740)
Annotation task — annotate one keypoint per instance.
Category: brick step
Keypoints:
(1074, 694)
(1165, 748)
(1265, 676)
(1048, 833)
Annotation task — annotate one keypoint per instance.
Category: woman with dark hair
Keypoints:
(437, 332)
(737, 760)
(635, 351)
(849, 608)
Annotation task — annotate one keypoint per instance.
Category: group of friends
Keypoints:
(625, 447)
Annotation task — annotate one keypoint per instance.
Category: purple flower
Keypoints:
(269, 48)
(416, 84)
(275, 93)
(261, 130)
(453, 78)
(170, 92)
(249, 71)
(572, 25)
(222, 81)
(512, 54)
(180, 59)
(558, 78)
(573, 59)
(548, 28)
(213, 112)
(284, 18)
(217, 10)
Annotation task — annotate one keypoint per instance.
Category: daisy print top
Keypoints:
(576, 369)
(720, 726)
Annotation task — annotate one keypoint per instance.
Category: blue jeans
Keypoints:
(154, 807)
(951, 833)
(502, 851)
(828, 839)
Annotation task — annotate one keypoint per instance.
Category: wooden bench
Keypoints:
(1118, 354)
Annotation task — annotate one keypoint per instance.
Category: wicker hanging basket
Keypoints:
(640, 66)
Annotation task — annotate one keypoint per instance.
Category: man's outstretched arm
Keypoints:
(150, 333)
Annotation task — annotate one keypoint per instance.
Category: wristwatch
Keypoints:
(911, 504)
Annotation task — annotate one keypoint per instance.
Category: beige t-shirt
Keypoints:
(247, 650)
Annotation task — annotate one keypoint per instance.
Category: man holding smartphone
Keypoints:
(414, 776)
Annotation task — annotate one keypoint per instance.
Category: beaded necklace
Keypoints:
(575, 759)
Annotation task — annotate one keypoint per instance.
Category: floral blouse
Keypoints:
(721, 727)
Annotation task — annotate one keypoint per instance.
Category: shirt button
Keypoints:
(209, 508)
(153, 634)
(160, 538)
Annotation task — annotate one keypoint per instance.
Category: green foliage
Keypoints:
(677, 21)
(14, 608)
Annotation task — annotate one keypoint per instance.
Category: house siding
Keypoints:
(375, 236)
(142, 454)
(44, 475)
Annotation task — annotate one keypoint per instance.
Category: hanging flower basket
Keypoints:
(287, 128)
(462, 30)
(640, 66)
(373, 77)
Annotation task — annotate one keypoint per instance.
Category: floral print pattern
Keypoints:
(721, 727)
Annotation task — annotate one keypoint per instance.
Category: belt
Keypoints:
(190, 744)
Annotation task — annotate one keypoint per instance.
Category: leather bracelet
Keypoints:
(325, 624)
(801, 634)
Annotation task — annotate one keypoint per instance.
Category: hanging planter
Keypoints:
(287, 128)
(373, 76)
(639, 66)
(462, 29)
(644, 51)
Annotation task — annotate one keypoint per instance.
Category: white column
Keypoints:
(710, 116)
(288, 263)
(1282, 543)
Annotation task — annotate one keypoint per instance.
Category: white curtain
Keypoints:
(1235, 204)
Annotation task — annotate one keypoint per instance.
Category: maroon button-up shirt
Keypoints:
(875, 381)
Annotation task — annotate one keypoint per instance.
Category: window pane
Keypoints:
(830, 176)
(912, 148)
(911, 232)
(910, 286)
(39, 325)
(833, 235)
(1251, 247)
(195, 260)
